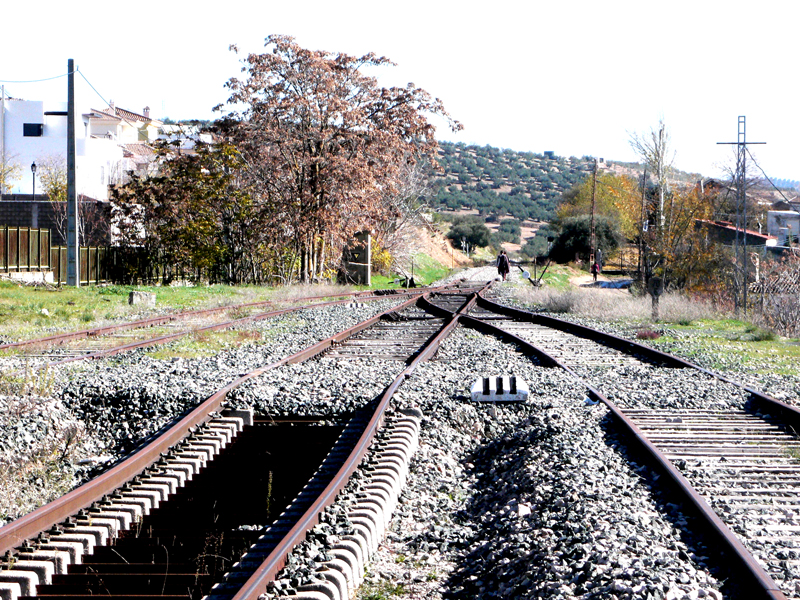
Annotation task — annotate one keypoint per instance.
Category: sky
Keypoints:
(574, 77)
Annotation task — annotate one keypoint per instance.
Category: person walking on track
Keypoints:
(503, 265)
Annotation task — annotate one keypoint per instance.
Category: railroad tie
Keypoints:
(35, 564)
(370, 515)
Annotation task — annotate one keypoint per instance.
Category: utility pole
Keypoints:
(641, 228)
(73, 249)
(741, 202)
(3, 138)
(594, 193)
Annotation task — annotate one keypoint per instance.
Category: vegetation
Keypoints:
(425, 271)
(469, 232)
(382, 590)
(574, 239)
(313, 152)
(27, 311)
(499, 182)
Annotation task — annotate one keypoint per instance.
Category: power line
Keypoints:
(102, 98)
(765, 175)
(36, 80)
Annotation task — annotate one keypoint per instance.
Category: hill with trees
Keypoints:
(499, 182)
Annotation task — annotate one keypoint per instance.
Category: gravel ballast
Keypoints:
(535, 500)
(75, 420)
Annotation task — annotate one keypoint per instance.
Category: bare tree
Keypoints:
(93, 217)
(409, 212)
(53, 175)
(10, 170)
(654, 149)
(323, 143)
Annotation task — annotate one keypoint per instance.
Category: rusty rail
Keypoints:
(363, 295)
(269, 569)
(754, 577)
(15, 533)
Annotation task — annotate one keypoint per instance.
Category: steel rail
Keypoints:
(753, 574)
(170, 337)
(162, 319)
(269, 569)
(45, 517)
(760, 400)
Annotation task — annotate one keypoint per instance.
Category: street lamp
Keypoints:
(33, 170)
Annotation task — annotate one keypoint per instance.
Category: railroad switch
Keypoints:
(506, 388)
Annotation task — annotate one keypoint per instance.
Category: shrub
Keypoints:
(611, 305)
(647, 334)
(382, 259)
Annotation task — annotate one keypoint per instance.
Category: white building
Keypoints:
(784, 225)
(108, 143)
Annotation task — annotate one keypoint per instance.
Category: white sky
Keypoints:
(574, 77)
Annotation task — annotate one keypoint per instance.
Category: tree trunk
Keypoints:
(321, 256)
(304, 263)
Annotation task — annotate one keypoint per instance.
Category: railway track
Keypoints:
(735, 466)
(101, 342)
(117, 535)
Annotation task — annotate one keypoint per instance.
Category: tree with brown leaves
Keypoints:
(324, 145)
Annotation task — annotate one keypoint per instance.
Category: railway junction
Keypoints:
(341, 455)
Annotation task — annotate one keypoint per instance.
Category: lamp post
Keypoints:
(33, 170)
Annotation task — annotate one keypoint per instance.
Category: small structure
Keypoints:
(724, 232)
(357, 261)
(506, 388)
(784, 225)
(145, 299)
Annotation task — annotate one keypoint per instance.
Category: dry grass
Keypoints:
(42, 469)
(615, 305)
(37, 382)
(294, 292)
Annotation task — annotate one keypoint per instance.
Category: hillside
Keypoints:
(499, 182)
(527, 186)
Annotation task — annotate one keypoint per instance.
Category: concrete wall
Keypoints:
(26, 213)
(20, 210)
(781, 222)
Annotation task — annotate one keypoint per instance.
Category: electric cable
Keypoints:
(103, 99)
(36, 80)
(765, 175)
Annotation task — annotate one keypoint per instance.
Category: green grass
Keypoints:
(204, 344)
(733, 343)
(381, 591)
(426, 271)
(730, 329)
(27, 311)
(556, 276)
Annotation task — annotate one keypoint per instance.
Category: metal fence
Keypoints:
(25, 250)
(94, 266)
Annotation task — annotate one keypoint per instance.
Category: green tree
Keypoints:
(193, 213)
(472, 231)
(574, 238)
(323, 144)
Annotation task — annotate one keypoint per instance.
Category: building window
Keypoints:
(32, 129)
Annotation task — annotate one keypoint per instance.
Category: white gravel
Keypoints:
(519, 501)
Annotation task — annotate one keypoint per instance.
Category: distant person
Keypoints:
(595, 270)
(503, 264)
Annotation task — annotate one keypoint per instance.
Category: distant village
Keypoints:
(113, 142)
